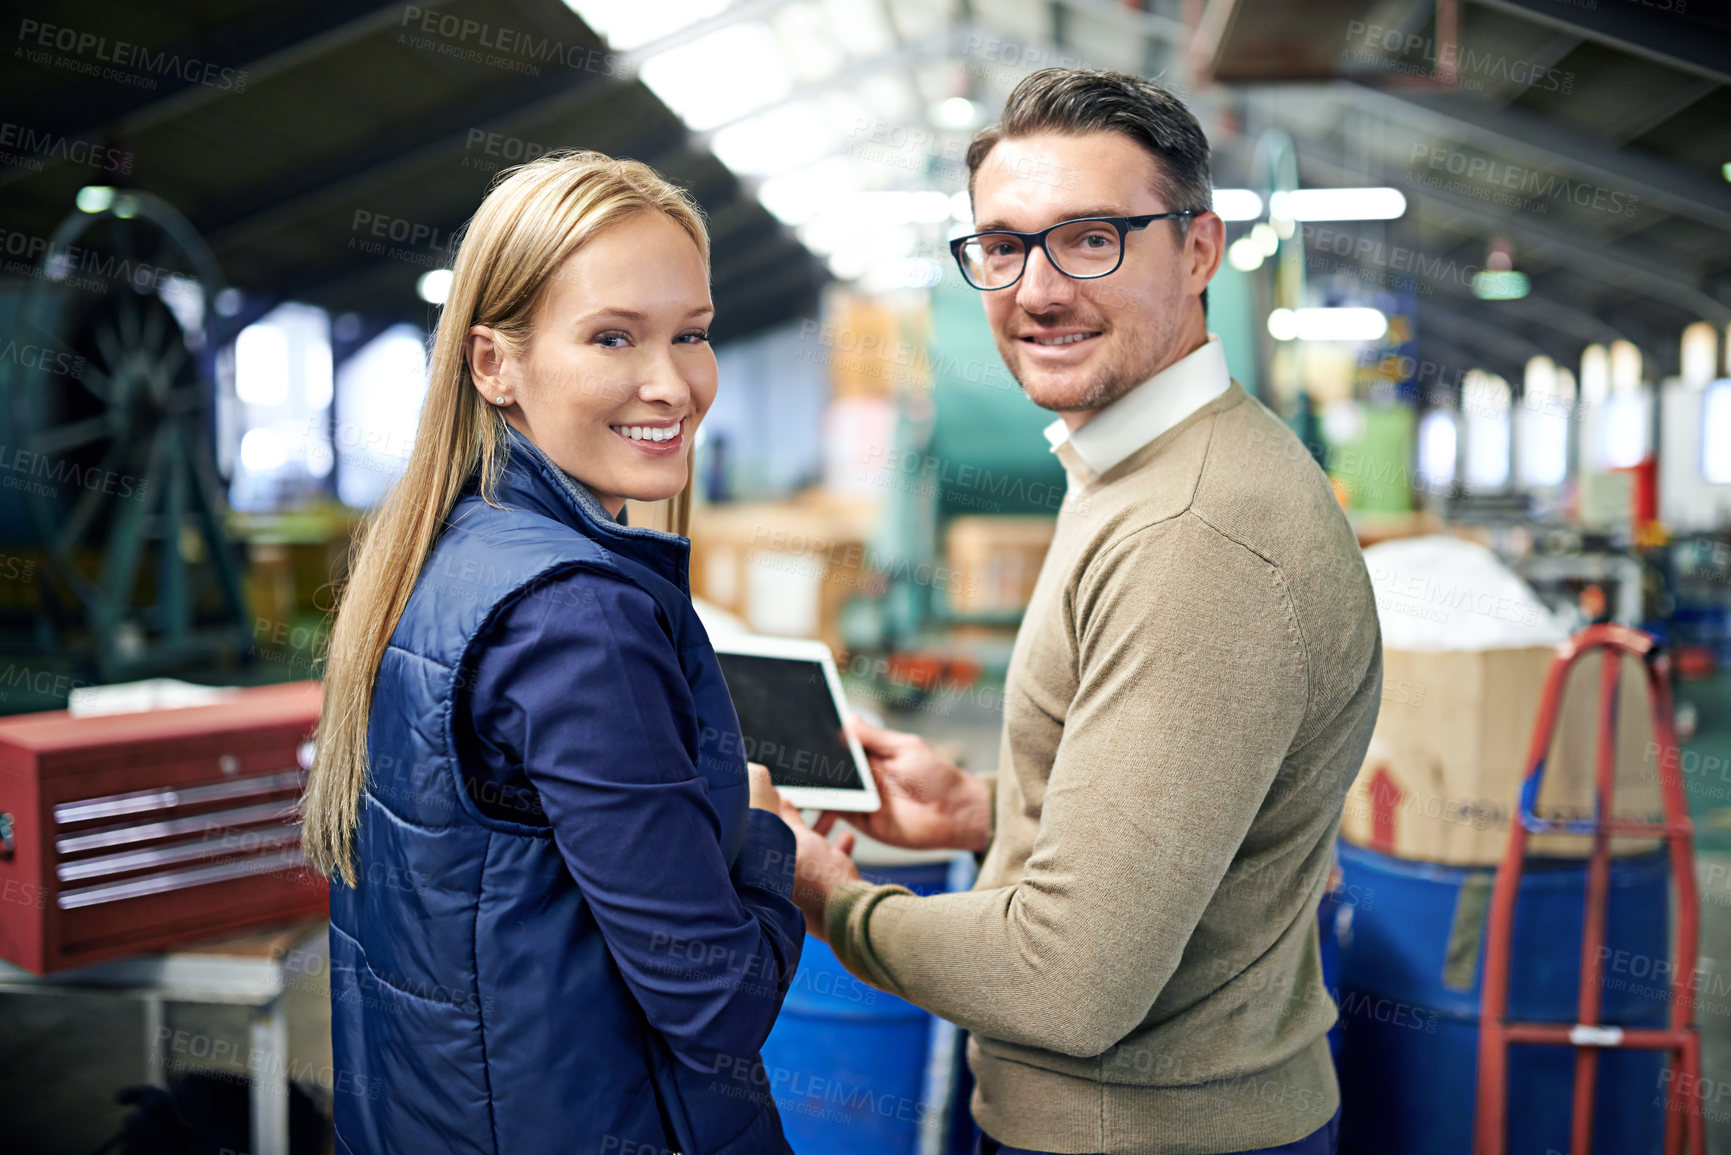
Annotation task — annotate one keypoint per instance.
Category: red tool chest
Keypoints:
(127, 833)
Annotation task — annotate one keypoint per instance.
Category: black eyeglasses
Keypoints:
(1084, 248)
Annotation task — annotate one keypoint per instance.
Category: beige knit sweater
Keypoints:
(1191, 693)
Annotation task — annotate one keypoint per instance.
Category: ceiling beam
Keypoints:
(1613, 267)
(1463, 117)
(630, 62)
(437, 135)
(289, 36)
(1453, 360)
(1676, 37)
(1467, 329)
(1640, 121)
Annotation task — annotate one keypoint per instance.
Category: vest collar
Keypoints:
(531, 480)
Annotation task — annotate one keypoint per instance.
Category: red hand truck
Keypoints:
(1683, 1129)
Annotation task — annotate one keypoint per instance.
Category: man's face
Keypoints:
(1080, 345)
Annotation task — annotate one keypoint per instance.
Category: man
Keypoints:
(1190, 694)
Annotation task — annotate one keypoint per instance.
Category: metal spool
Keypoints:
(107, 444)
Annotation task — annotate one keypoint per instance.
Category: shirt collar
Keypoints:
(535, 481)
(1142, 414)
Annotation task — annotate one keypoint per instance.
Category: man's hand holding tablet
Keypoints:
(928, 803)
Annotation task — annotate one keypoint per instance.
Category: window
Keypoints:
(1716, 433)
(1485, 402)
(281, 369)
(379, 395)
(1437, 444)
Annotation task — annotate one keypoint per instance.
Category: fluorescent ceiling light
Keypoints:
(864, 28)
(262, 451)
(1540, 380)
(794, 198)
(435, 286)
(261, 371)
(1700, 355)
(722, 77)
(897, 206)
(956, 113)
(628, 24)
(809, 38)
(895, 273)
(1244, 254)
(1716, 434)
(1486, 391)
(1343, 324)
(1500, 285)
(1625, 367)
(1237, 204)
(1438, 446)
(319, 382)
(1595, 374)
(1338, 204)
(884, 208)
(858, 240)
(94, 198)
(779, 141)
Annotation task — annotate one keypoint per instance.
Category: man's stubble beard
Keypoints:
(1140, 361)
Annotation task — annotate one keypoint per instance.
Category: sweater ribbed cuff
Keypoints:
(847, 922)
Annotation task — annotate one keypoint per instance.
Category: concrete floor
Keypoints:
(62, 1059)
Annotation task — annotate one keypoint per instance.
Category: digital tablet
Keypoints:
(790, 705)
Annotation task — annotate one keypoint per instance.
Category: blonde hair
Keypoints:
(535, 217)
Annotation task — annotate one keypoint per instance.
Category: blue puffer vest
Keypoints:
(475, 1006)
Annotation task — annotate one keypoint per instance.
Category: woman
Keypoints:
(555, 924)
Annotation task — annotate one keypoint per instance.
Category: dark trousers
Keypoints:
(1322, 1141)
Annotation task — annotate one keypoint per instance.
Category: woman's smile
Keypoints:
(659, 438)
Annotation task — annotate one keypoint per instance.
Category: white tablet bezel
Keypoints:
(863, 801)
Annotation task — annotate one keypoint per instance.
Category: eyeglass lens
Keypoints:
(1080, 249)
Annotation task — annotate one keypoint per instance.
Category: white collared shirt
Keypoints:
(1141, 415)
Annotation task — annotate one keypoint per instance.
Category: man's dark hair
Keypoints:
(1080, 100)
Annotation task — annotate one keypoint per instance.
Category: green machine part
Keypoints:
(1371, 455)
(987, 449)
(978, 447)
(973, 446)
(1232, 316)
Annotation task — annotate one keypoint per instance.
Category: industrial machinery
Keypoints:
(106, 412)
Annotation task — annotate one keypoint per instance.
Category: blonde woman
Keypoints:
(560, 904)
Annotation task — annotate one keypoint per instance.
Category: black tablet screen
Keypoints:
(789, 721)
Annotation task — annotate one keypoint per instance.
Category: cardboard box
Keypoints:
(1441, 780)
(996, 560)
(787, 568)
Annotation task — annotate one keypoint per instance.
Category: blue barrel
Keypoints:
(1411, 960)
(1329, 914)
(846, 1062)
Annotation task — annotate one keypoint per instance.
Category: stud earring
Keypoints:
(501, 400)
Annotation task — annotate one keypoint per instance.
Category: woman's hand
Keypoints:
(820, 866)
(764, 795)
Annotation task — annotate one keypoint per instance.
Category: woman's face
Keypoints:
(618, 372)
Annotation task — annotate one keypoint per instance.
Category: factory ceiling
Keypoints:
(328, 151)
